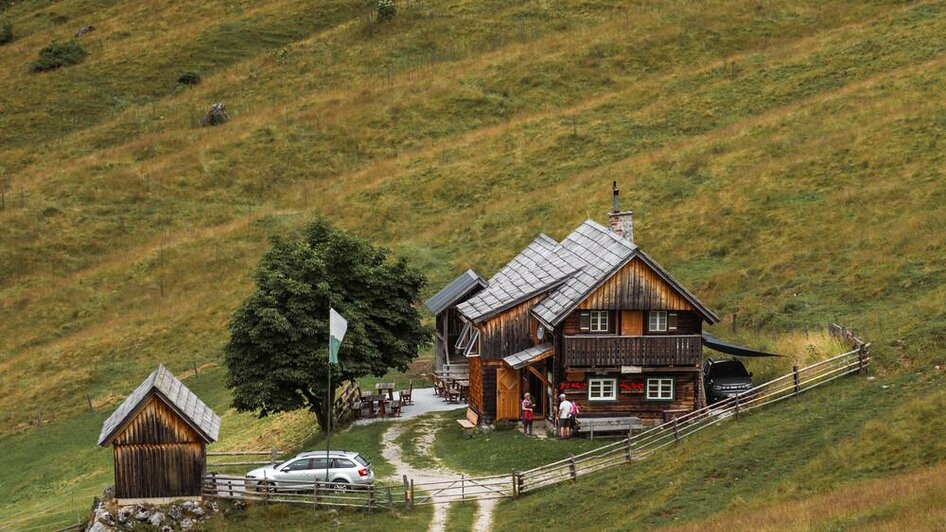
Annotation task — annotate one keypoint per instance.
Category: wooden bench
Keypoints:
(471, 421)
(608, 424)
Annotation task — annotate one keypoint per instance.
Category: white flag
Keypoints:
(337, 325)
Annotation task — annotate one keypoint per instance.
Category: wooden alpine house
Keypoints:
(593, 317)
(159, 436)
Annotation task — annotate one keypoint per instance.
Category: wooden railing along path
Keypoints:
(633, 448)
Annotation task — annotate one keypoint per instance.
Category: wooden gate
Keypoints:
(507, 393)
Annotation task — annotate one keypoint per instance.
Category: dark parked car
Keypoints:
(724, 379)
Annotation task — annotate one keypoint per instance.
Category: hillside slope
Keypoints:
(783, 159)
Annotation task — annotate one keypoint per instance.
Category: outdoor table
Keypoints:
(371, 400)
(385, 387)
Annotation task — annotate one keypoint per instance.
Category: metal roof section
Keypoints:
(531, 272)
(173, 392)
(732, 349)
(454, 291)
(527, 356)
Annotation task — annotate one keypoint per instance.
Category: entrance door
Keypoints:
(536, 387)
(507, 393)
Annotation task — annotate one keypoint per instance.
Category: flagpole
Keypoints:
(328, 418)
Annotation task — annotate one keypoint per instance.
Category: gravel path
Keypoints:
(440, 473)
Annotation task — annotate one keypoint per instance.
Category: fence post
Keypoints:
(412, 494)
(462, 491)
(390, 498)
(797, 380)
(230, 488)
(273, 455)
(213, 479)
(316, 495)
(407, 494)
(571, 466)
(737, 404)
(861, 355)
(676, 433)
(370, 496)
(630, 450)
(515, 484)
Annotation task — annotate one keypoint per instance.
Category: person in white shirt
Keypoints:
(564, 416)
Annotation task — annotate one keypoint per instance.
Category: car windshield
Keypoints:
(360, 459)
(728, 369)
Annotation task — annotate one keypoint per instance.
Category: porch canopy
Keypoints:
(527, 356)
(732, 349)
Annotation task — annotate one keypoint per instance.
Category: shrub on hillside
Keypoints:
(59, 54)
(216, 115)
(386, 10)
(189, 78)
(6, 34)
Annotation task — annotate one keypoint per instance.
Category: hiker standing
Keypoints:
(564, 416)
(527, 414)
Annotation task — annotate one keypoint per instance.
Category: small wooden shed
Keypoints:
(159, 436)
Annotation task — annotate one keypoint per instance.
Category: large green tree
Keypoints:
(277, 353)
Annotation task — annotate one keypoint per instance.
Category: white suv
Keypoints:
(347, 469)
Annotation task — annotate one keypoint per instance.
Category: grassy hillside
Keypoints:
(783, 160)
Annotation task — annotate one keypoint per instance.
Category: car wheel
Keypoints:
(340, 485)
(265, 487)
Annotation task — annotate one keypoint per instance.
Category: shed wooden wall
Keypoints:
(636, 286)
(157, 454)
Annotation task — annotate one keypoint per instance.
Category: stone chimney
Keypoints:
(621, 222)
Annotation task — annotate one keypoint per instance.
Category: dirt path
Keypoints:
(439, 473)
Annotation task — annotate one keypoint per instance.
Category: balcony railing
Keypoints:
(613, 351)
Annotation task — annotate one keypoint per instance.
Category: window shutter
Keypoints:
(672, 321)
(584, 321)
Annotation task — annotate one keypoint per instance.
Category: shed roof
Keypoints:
(454, 291)
(529, 273)
(187, 405)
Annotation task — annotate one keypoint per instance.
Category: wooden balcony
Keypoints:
(613, 351)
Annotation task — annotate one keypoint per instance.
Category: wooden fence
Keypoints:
(304, 492)
(632, 448)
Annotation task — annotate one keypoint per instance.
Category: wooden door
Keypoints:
(507, 393)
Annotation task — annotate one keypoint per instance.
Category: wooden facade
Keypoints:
(509, 332)
(157, 455)
(636, 286)
(631, 394)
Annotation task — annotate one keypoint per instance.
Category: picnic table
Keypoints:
(385, 387)
(375, 404)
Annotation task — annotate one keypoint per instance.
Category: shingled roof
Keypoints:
(454, 291)
(601, 252)
(533, 271)
(173, 392)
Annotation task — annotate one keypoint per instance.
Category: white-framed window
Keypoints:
(660, 389)
(602, 389)
(657, 321)
(473, 348)
(594, 321)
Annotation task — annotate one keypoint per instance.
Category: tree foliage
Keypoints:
(278, 348)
